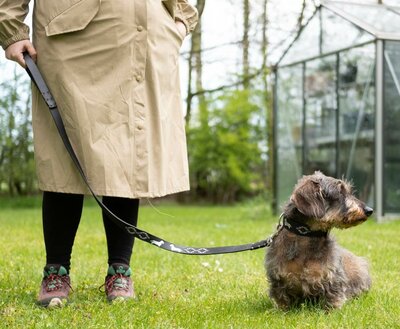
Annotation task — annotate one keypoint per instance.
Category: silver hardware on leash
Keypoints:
(279, 227)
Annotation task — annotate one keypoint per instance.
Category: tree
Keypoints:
(17, 174)
(217, 172)
(269, 170)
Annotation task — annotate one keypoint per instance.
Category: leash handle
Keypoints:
(39, 82)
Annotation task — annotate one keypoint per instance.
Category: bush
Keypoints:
(227, 150)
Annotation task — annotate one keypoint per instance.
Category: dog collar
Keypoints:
(301, 229)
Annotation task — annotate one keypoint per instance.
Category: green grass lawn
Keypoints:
(177, 291)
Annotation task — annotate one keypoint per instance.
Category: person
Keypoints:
(112, 67)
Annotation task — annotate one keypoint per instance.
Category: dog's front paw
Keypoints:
(335, 303)
(282, 302)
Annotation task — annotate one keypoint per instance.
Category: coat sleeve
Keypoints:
(12, 16)
(187, 14)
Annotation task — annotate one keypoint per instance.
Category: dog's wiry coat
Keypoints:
(317, 269)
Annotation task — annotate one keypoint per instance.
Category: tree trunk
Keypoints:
(245, 43)
(196, 66)
(269, 170)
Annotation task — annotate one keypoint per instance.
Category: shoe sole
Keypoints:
(54, 303)
(120, 299)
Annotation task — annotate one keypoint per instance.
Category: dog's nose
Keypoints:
(368, 211)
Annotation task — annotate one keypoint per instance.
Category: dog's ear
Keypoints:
(308, 198)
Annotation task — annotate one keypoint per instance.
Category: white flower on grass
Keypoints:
(216, 267)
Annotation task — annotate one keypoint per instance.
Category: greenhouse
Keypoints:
(337, 103)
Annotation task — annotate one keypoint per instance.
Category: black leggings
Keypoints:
(61, 216)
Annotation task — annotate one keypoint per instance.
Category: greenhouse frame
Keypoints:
(337, 103)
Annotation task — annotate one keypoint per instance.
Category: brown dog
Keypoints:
(304, 263)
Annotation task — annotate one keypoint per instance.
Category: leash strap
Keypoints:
(38, 80)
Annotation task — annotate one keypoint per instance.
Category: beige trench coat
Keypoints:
(112, 66)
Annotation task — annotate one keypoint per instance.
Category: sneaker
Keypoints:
(118, 284)
(55, 287)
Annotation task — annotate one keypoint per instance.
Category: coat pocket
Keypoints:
(170, 6)
(74, 18)
(170, 21)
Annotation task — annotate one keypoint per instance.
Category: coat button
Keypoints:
(140, 28)
(138, 77)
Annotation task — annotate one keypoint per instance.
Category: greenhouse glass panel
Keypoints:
(338, 33)
(391, 161)
(307, 45)
(357, 119)
(289, 129)
(320, 112)
(392, 2)
(378, 18)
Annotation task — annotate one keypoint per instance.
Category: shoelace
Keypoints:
(113, 283)
(56, 282)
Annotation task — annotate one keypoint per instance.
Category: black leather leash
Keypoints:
(38, 80)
